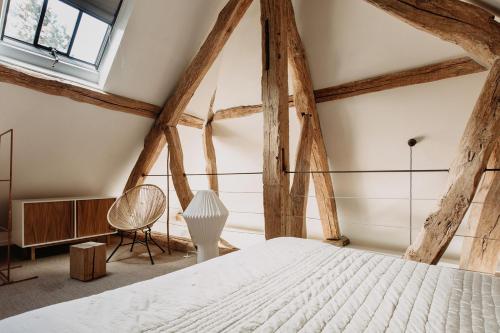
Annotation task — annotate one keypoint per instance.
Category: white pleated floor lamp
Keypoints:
(205, 217)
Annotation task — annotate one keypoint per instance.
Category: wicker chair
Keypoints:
(137, 210)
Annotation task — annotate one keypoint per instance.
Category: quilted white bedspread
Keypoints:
(285, 285)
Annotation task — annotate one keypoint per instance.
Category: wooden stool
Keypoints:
(87, 261)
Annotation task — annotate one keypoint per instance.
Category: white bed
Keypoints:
(285, 285)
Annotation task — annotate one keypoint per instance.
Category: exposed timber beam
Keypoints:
(424, 74)
(57, 87)
(228, 18)
(238, 112)
(183, 244)
(305, 107)
(179, 178)
(300, 185)
(209, 149)
(469, 26)
(276, 181)
(172, 111)
(189, 120)
(311, 145)
(153, 145)
(481, 244)
(480, 135)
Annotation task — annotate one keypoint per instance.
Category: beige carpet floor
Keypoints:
(54, 285)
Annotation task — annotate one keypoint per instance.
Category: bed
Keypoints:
(285, 285)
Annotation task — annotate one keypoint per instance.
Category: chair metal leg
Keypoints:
(116, 248)
(147, 246)
(151, 238)
(133, 242)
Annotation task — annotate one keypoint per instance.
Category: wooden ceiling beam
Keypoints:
(173, 109)
(469, 26)
(477, 143)
(237, 112)
(424, 74)
(276, 181)
(57, 87)
(189, 120)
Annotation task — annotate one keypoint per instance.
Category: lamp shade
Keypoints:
(205, 217)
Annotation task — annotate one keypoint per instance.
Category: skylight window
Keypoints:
(66, 35)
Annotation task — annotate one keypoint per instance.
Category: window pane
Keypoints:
(89, 38)
(58, 25)
(22, 19)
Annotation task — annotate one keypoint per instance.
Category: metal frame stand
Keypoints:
(168, 201)
(5, 278)
(145, 242)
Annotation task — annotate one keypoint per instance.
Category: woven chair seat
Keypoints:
(138, 208)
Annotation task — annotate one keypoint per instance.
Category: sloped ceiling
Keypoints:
(66, 148)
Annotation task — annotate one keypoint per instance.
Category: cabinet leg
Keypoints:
(33, 254)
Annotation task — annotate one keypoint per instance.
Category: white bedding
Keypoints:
(285, 285)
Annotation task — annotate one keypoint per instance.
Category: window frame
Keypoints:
(39, 55)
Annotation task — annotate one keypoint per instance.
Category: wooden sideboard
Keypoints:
(42, 222)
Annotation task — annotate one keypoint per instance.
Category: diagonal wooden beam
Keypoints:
(305, 107)
(153, 145)
(228, 18)
(179, 178)
(459, 22)
(172, 111)
(209, 149)
(311, 136)
(424, 74)
(57, 87)
(481, 244)
(300, 185)
(276, 180)
(480, 135)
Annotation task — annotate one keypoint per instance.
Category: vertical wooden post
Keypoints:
(209, 149)
(276, 180)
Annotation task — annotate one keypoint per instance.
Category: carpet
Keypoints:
(54, 285)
